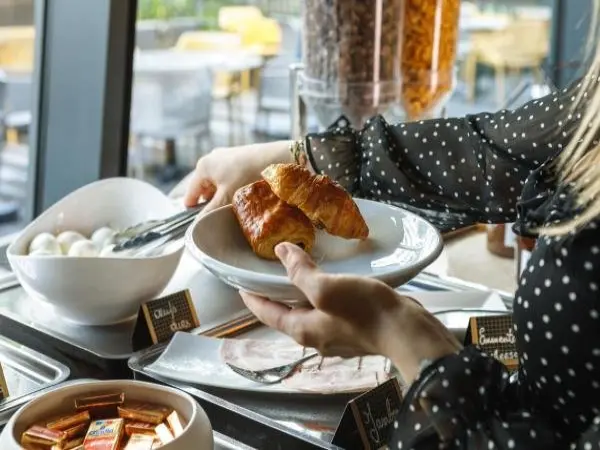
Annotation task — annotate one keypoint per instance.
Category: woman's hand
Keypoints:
(220, 173)
(353, 316)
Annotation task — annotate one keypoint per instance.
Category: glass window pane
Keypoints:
(208, 74)
(17, 36)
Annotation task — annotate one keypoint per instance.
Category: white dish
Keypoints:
(400, 245)
(197, 433)
(94, 290)
(195, 360)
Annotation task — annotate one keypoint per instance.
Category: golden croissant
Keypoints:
(267, 221)
(324, 201)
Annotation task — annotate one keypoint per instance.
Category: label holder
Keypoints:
(159, 319)
(495, 336)
(368, 419)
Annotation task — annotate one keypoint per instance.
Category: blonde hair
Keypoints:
(579, 163)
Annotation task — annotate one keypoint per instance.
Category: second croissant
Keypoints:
(288, 204)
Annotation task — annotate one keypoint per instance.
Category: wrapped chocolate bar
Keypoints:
(98, 401)
(175, 424)
(73, 444)
(144, 412)
(140, 442)
(69, 421)
(132, 428)
(77, 430)
(101, 406)
(164, 434)
(38, 436)
(104, 435)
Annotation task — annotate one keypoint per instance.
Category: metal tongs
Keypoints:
(149, 236)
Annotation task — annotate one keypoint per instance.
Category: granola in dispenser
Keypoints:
(430, 36)
(352, 47)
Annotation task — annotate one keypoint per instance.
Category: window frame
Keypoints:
(82, 95)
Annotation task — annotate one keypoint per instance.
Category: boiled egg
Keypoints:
(84, 248)
(46, 242)
(66, 239)
(103, 236)
(107, 251)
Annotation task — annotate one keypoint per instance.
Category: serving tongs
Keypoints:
(153, 234)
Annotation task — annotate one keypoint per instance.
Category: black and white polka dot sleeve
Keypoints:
(466, 401)
(455, 172)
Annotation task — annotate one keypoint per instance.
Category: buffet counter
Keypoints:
(241, 419)
(95, 332)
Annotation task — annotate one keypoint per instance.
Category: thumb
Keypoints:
(301, 269)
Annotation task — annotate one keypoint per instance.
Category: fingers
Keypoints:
(301, 270)
(199, 187)
(293, 322)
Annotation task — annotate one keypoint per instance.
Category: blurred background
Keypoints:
(212, 73)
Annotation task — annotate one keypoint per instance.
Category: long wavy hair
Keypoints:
(579, 163)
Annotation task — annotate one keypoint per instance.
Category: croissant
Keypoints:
(323, 200)
(267, 221)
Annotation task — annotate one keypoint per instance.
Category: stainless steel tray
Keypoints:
(28, 373)
(281, 422)
(108, 348)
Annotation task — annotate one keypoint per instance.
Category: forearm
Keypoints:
(275, 152)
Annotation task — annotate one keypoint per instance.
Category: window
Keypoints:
(207, 74)
(17, 61)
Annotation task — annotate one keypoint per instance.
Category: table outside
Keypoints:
(161, 61)
(181, 81)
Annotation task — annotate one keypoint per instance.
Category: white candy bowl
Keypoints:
(197, 432)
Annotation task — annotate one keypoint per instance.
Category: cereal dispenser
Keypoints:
(427, 55)
(366, 57)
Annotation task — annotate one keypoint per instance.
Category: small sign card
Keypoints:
(3, 385)
(368, 420)
(158, 320)
(495, 336)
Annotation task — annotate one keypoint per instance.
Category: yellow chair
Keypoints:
(232, 17)
(208, 40)
(261, 36)
(522, 45)
(17, 54)
(214, 41)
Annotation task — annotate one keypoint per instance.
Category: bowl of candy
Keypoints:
(124, 414)
(66, 256)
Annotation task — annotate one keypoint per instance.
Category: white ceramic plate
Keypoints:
(196, 360)
(399, 246)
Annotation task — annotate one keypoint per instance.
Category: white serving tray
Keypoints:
(196, 360)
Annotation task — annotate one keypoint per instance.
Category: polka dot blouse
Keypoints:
(493, 168)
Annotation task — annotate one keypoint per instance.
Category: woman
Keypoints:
(537, 165)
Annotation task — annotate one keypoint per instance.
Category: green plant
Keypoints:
(166, 9)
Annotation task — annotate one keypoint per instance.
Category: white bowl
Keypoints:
(400, 245)
(197, 433)
(97, 291)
